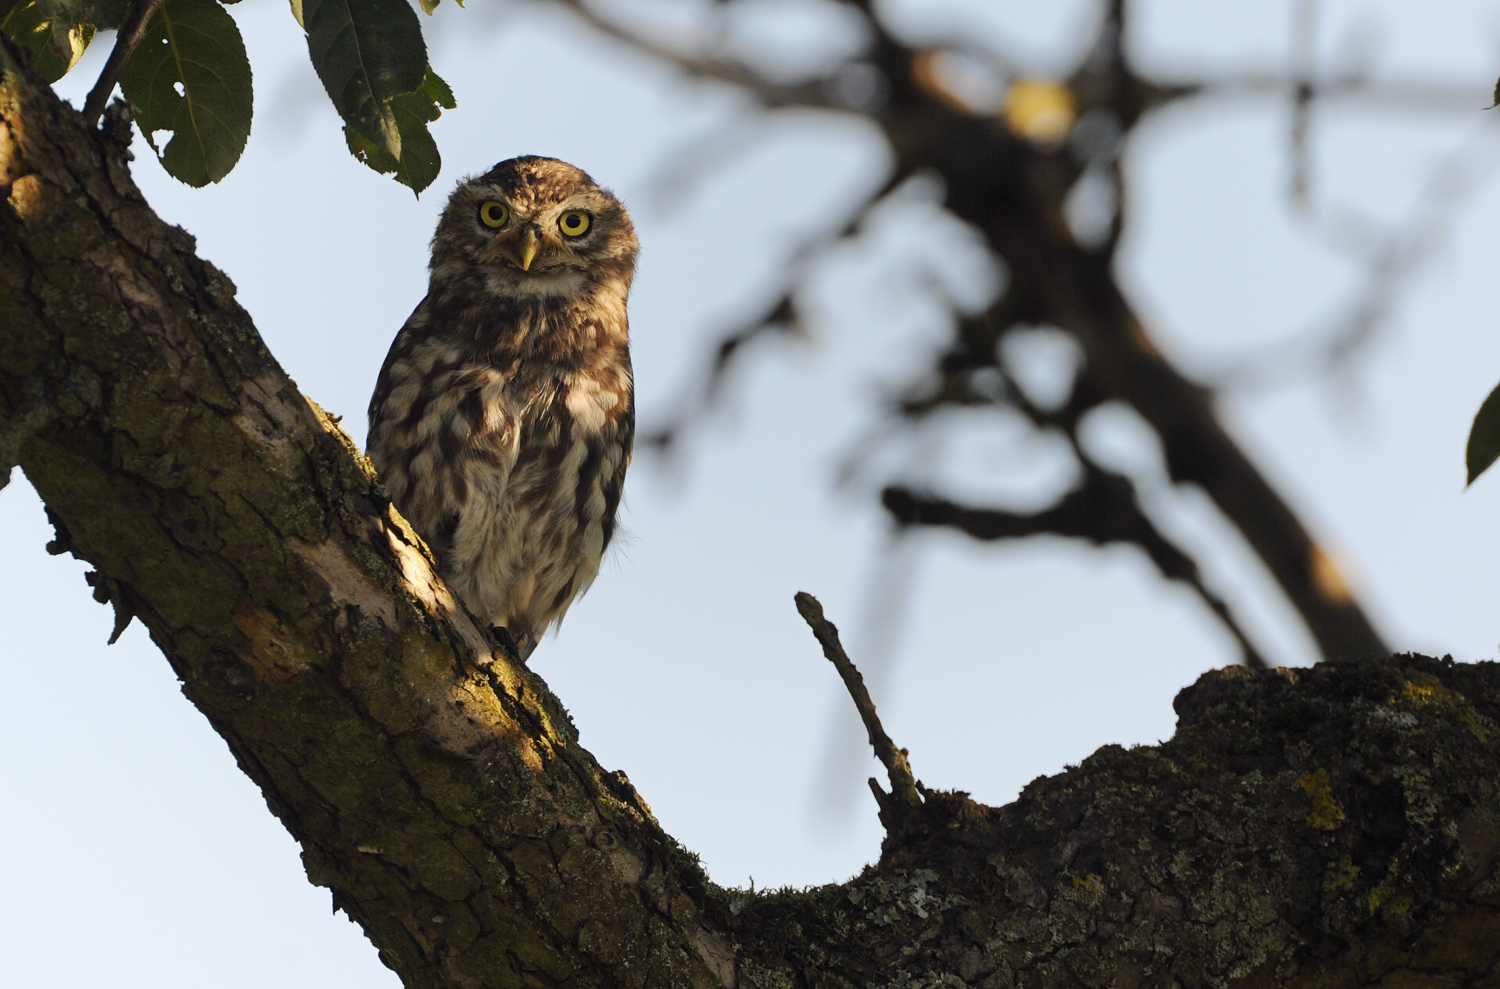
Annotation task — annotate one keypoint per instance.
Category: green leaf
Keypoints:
(56, 33)
(103, 14)
(1484, 436)
(419, 162)
(1495, 99)
(75, 22)
(25, 24)
(439, 92)
(190, 76)
(367, 52)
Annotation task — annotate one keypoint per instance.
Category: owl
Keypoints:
(504, 415)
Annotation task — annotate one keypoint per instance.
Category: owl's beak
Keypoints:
(527, 248)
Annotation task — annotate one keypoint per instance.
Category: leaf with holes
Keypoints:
(420, 162)
(190, 76)
(1484, 436)
(367, 52)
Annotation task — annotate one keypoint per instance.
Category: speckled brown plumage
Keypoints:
(503, 418)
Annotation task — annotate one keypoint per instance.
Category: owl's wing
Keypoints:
(613, 483)
(437, 419)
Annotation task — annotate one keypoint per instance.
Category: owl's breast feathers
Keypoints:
(502, 429)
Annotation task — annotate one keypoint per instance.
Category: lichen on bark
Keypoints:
(1203, 861)
(1330, 827)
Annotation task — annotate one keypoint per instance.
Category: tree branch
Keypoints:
(126, 40)
(814, 94)
(1102, 510)
(437, 788)
(779, 317)
(904, 785)
(1013, 191)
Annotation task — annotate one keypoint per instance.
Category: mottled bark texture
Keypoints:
(1334, 827)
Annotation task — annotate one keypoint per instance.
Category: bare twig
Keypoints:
(780, 316)
(814, 93)
(1355, 90)
(903, 783)
(1392, 260)
(884, 613)
(1304, 47)
(1102, 510)
(1106, 508)
(130, 34)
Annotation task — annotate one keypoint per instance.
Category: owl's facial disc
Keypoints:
(535, 227)
(527, 240)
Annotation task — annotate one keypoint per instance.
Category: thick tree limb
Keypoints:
(435, 787)
(1337, 827)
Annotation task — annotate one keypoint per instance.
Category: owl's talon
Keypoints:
(507, 643)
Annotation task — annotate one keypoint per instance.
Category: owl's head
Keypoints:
(538, 227)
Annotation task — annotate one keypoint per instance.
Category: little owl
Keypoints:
(503, 417)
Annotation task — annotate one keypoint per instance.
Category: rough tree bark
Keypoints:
(1330, 827)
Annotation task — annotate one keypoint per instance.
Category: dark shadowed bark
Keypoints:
(1331, 827)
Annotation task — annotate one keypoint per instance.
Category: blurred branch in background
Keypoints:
(1033, 165)
(1391, 257)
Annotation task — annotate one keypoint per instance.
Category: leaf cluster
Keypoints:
(189, 75)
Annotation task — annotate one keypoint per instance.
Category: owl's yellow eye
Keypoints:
(574, 223)
(493, 214)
